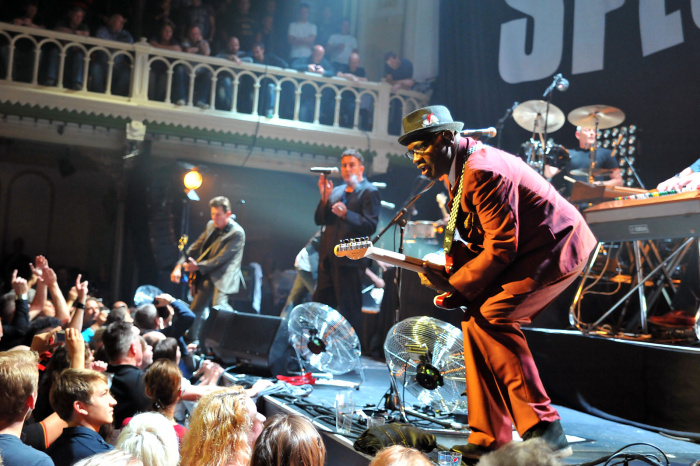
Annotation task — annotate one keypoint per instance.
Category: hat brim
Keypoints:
(421, 133)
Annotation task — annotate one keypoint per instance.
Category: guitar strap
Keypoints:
(450, 229)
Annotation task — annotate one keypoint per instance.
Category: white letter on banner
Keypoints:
(695, 8)
(514, 63)
(659, 30)
(589, 34)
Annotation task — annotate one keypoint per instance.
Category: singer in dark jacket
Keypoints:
(350, 210)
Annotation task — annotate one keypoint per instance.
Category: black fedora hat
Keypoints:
(427, 120)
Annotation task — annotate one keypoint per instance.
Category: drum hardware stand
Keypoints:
(673, 258)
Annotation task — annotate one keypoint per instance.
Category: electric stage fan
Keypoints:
(425, 357)
(322, 337)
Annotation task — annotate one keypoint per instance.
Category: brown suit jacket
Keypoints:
(520, 233)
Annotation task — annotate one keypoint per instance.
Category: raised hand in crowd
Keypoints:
(45, 341)
(19, 285)
(76, 348)
(78, 305)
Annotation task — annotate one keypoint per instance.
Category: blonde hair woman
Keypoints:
(222, 430)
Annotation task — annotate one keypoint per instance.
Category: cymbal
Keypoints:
(605, 115)
(530, 116)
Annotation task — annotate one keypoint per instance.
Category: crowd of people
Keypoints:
(83, 383)
(238, 30)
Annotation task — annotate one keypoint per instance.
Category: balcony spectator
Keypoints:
(158, 77)
(23, 61)
(399, 73)
(341, 45)
(99, 66)
(19, 378)
(160, 12)
(224, 83)
(73, 69)
(201, 16)
(243, 26)
(267, 86)
(316, 64)
(194, 43)
(352, 71)
(301, 34)
(327, 27)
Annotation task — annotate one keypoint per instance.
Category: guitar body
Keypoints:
(190, 278)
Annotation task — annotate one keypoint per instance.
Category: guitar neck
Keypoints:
(400, 260)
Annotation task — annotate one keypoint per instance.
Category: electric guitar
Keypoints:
(187, 277)
(360, 248)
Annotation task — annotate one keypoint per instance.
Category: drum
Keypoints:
(422, 229)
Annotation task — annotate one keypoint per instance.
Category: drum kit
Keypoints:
(542, 118)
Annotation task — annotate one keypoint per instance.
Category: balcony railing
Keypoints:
(143, 76)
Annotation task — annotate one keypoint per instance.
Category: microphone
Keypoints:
(561, 83)
(477, 133)
(388, 205)
(324, 170)
(379, 184)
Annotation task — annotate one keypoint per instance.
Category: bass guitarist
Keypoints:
(214, 260)
(515, 244)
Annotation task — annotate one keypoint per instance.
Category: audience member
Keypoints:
(23, 61)
(268, 35)
(73, 68)
(222, 429)
(266, 104)
(327, 27)
(301, 34)
(148, 436)
(115, 457)
(201, 16)
(316, 64)
(91, 311)
(399, 73)
(399, 455)
(340, 46)
(15, 313)
(289, 440)
(158, 78)
(19, 378)
(121, 70)
(194, 43)
(123, 347)
(163, 382)
(81, 398)
(352, 71)
(224, 83)
(243, 25)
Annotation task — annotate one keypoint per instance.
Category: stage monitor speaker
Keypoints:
(254, 344)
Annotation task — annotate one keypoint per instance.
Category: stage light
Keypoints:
(193, 179)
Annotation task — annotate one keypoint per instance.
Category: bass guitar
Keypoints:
(360, 248)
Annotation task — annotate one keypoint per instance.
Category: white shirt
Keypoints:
(344, 55)
(301, 30)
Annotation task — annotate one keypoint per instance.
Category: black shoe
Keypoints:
(553, 434)
(471, 451)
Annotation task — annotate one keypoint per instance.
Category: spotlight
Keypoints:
(192, 181)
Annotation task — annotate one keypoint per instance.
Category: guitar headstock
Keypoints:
(182, 242)
(354, 248)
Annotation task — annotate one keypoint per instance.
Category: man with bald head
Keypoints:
(316, 65)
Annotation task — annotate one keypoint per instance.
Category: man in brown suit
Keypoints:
(515, 244)
(216, 258)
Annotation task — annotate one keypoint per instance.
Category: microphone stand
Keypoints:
(502, 122)
(400, 220)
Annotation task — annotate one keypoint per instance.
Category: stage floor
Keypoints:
(591, 437)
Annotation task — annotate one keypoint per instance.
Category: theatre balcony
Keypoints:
(111, 97)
